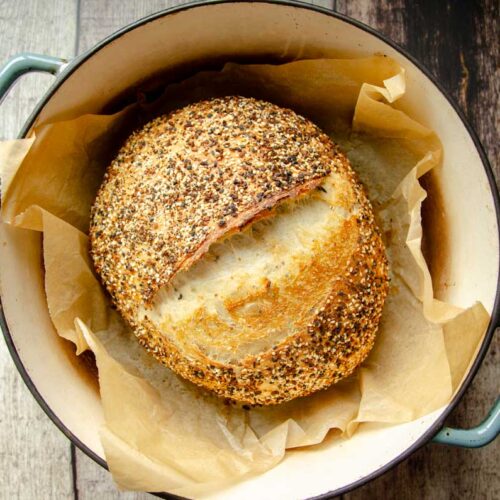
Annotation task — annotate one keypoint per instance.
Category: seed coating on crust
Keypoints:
(189, 178)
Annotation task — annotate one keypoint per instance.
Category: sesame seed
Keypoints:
(184, 180)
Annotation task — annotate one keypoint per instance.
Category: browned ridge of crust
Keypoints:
(187, 179)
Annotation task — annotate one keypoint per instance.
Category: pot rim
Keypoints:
(74, 64)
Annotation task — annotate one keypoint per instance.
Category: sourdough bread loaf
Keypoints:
(236, 240)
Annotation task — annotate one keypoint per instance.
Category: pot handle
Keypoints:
(27, 62)
(476, 437)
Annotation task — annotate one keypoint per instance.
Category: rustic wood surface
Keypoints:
(456, 40)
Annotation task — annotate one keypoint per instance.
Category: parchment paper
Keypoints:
(161, 432)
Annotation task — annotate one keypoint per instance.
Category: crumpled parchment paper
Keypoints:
(162, 433)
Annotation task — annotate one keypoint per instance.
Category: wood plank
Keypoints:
(326, 4)
(99, 19)
(457, 41)
(34, 455)
(47, 27)
(93, 482)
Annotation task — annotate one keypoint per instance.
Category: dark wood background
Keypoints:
(456, 40)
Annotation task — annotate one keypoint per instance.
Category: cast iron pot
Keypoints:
(184, 37)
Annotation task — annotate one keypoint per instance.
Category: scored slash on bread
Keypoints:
(232, 267)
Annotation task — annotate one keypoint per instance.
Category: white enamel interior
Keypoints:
(251, 29)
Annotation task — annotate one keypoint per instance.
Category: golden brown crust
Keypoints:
(333, 340)
(334, 343)
(187, 178)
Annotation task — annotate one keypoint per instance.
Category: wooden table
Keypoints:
(456, 40)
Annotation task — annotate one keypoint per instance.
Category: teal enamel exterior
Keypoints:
(27, 62)
(476, 437)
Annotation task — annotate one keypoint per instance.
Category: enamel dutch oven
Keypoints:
(184, 37)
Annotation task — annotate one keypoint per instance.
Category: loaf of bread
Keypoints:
(236, 240)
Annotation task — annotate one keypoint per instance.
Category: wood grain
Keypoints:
(92, 482)
(35, 457)
(457, 41)
(33, 26)
(99, 19)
